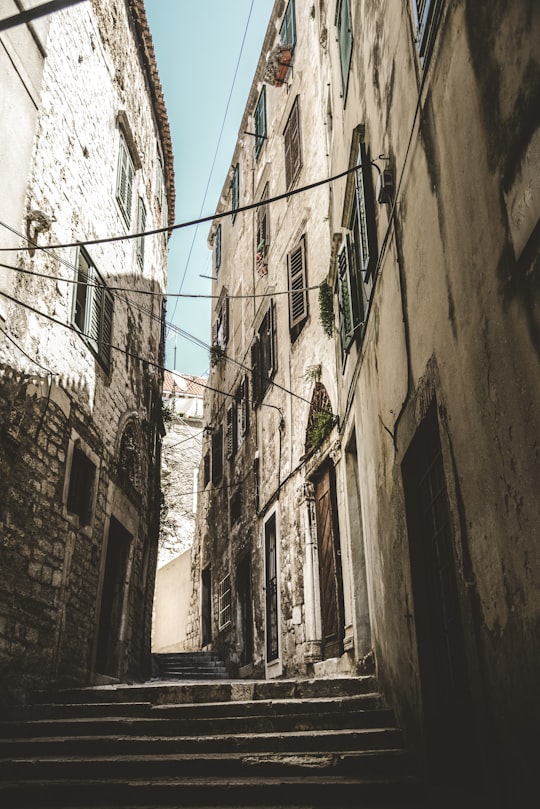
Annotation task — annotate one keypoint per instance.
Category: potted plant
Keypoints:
(278, 65)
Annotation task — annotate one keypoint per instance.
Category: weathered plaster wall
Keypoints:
(171, 605)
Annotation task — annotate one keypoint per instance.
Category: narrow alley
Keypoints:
(306, 574)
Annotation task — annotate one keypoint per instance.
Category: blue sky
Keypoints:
(198, 45)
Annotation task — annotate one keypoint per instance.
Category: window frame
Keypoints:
(263, 233)
(260, 122)
(97, 305)
(292, 138)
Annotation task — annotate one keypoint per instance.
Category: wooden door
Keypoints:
(112, 599)
(330, 577)
(272, 626)
(437, 614)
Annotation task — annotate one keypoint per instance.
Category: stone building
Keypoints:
(380, 486)
(81, 346)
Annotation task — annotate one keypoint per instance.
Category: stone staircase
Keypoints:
(188, 666)
(279, 743)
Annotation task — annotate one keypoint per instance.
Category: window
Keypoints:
(81, 486)
(217, 248)
(263, 234)
(426, 14)
(293, 148)
(235, 190)
(224, 601)
(93, 308)
(220, 336)
(217, 455)
(263, 356)
(124, 180)
(287, 32)
(235, 507)
(206, 470)
(260, 122)
(343, 16)
(242, 411)
(141, 227)
(357, 258)
(298, 296)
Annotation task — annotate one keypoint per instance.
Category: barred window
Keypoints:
(224, 601)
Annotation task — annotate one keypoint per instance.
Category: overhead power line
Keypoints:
(33, 13)
(218, 215)
(149, 292)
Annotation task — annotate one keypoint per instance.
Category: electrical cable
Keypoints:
(150, 292)
(218, 215)
(34, 13)
(145, 360)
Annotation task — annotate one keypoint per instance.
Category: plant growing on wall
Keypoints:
(217, 354)
(323, 423)
(326, 308)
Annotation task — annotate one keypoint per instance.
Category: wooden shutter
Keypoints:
(244, 406)
(298, 297)
(106, 331)
(255, 372)
(217, 245)
(141, 227)
(231, 435)
(345, 297)
(345, 42)
(293, 151)
(225, 319)
(124, 183)
(260, 121)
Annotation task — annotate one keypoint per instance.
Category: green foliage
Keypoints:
(324, 421)
(326, 307)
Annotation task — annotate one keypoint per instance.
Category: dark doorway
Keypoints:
(330, 577)
(272, 632)
(441, 648)
(245, 609)
(109, 647)
(206, 606)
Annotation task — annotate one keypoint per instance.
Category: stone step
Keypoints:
(118, 744)
(160, 693)
(388, 762)
(203, 726)
(309, 790)
(290, 743)
(368, 701)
